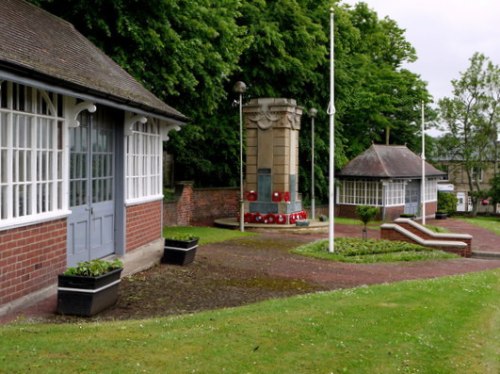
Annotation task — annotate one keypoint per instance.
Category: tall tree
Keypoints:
(471, 117)
(191, 53)
(183, 51)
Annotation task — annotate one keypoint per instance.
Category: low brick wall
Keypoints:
(390, 232)
(449, 237)
(31, 257)
(388, 213)
(200, 206)
(143, 224)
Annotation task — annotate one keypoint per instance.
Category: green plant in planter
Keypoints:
(94, 268)
(182, 237)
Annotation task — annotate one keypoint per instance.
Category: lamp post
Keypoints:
(240, 88)
(331, 113)
(312, 113)
(422, 193)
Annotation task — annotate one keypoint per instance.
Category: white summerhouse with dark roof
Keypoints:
(80, 152)
(388, 177)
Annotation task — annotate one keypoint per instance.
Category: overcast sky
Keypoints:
(445, 34)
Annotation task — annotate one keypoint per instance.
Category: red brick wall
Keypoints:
(31, 257)
(390, 213)
(213, 203)
(200, 206)
(143, 224)
(349, 211)
(393, 212)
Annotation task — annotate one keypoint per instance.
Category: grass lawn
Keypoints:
(443, 325)
(489, 223)
(351, 221)
(357, 250)
(206, 234)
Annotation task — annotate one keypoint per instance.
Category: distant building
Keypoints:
(457, 177)
(388, 177)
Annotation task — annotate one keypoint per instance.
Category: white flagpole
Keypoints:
(423, 167)
(331, 113)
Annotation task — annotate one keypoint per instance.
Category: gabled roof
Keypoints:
(388, 161)
(38, 45)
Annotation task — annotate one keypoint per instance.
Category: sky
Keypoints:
(445, 34)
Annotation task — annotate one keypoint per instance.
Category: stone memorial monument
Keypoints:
(272, 161)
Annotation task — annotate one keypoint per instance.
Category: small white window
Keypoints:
(31, 154)
(477, 174)
(144, 162)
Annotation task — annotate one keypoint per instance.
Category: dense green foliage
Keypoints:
(358, 250)
(495, 189)
(471, 117)
(190, 53)
(443, 325)
(447, 202)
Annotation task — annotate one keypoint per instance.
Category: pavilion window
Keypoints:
(395, 193)
(144, 162)
(31, 154)
(359, 192)
(431, 190)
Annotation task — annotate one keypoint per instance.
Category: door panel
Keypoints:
(91, 223)
(412, 197)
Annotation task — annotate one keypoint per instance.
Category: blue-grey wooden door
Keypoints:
(91, 225)
(412, 197)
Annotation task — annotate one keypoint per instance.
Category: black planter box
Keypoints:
(179, 252)
(86, 296)
(441, 215)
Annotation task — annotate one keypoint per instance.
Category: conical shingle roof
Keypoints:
(388, 161)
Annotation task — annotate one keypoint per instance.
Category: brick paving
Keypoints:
(482, 239)
(331, 275)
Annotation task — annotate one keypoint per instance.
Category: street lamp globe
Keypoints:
(240, 87)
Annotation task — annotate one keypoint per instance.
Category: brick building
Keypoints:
(80, 152)
(388, 177)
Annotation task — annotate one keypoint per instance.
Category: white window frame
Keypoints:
(394, 193)
(33, 156)
(360, 192)
(143, 162)
(431, 189)
(475, 171)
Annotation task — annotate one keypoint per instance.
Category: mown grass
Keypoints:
(207, 235)
(356, 250)
(489, 223)
(357, 222)
(445, 325)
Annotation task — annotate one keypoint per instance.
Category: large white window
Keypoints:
(431, 190)
(394, 193)
(31, 154)
(144, 162)
(360, 192)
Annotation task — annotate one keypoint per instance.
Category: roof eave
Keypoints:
(23, 75)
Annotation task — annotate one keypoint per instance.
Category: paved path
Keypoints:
(332, 275)
(482, 240)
